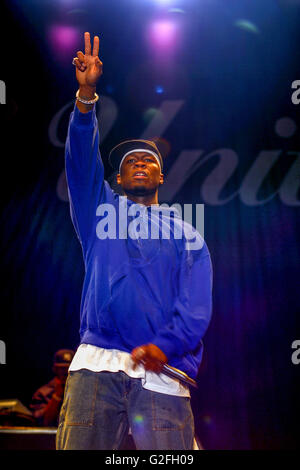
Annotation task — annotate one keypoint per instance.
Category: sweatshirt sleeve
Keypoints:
(192, 307)
(84, 170)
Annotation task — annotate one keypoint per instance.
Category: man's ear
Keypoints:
(118, 178)
(161, 178)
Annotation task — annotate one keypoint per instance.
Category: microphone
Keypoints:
(169, 370)
(178, 374)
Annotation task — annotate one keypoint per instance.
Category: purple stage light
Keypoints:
(164, 34)
(63, 40)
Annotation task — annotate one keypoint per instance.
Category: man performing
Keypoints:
(146, 299)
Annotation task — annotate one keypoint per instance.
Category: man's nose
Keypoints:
(140, 164)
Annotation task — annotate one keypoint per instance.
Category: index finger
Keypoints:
(87, 44)
(96, 46)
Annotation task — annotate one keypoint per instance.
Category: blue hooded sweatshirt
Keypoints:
(146, 281)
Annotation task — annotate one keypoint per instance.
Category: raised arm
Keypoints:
(84, 167)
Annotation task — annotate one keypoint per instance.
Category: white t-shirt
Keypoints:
(98, 359)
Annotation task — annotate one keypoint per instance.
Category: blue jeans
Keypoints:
(99, 408)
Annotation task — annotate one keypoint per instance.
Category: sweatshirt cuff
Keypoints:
(83, 118)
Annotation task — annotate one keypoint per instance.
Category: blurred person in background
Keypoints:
(47, 400)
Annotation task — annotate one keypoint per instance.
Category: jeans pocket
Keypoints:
(80, 398)
(170, 412)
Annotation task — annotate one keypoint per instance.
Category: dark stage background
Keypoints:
(212, 82)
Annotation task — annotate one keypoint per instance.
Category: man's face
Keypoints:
(140, 174)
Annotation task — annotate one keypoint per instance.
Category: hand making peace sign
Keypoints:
(88, 65)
